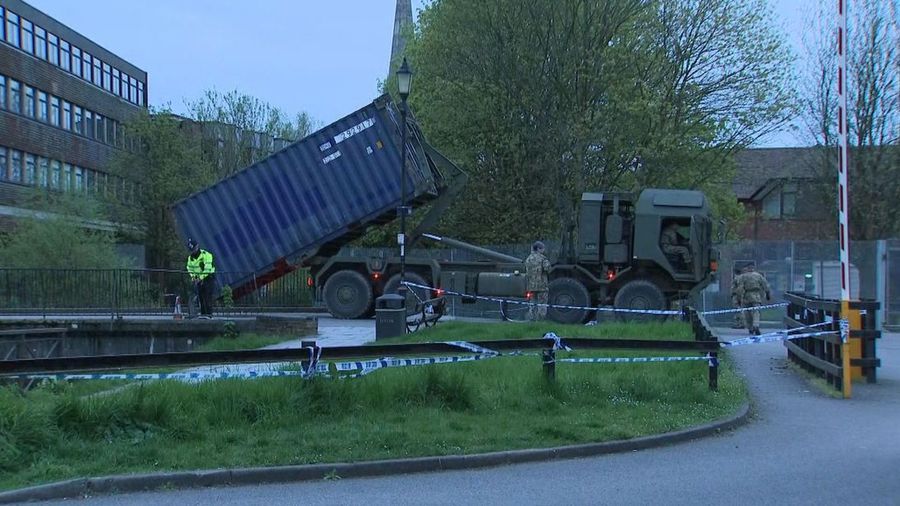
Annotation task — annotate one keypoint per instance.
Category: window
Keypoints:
(40, 42)
(29, 169)
(107, 84)
(67, 115)
(65, 55)
(789, 199)
(101, 128)
(76, 61)
(79, 126)
(97, 74)
(15, 97)
(54, 174)
(88, 124)
(2, 92)
(140, 93)
(54, 111)
(42, 106)
(53, 49)
(27, 36)
(15, 171)
(3, 167)
(111, 132)
(67, 178)
(116, 85)
(90, 178)
(134, 90)
(102, 183)
(29, 101)
(2, 23)
(79, 180)
(12, 28)
(86, 70)
(771, 207)
(43, 172)
(124, 86)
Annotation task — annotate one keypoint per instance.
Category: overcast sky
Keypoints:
(323, 57)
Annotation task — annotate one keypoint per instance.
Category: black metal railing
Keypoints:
(131, 291)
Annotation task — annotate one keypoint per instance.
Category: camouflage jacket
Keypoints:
(751, 287)
(537, 270)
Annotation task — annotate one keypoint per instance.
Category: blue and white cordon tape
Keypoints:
(606, 309)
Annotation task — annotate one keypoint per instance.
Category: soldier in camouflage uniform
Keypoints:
(537, 272)
(672, 246)
(750, 288)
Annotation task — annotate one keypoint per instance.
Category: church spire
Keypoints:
(402, 19)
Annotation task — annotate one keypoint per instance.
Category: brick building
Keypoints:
(777, 187)
(63, 101)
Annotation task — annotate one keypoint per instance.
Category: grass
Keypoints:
(242, 342)
(51, 434)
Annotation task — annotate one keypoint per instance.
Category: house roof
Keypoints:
(760, 166)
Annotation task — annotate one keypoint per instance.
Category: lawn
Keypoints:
(52, 433)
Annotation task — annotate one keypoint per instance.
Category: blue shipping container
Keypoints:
(266, 219)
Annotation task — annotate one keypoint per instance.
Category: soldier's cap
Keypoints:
(192, 245)
(751, 265)
(538, 245)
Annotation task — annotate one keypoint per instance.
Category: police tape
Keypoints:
(637, 360)
(605, 309)
(772, 337)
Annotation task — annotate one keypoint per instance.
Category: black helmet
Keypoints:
(192, 245)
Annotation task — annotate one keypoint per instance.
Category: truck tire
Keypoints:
(640, 294)
(411, 296)
(568, 292)
(348, 294)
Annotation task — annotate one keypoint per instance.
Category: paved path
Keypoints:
(802, 447)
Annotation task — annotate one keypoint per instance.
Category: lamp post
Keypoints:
(404, 79)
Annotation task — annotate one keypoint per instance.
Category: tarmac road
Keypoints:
(802, 447)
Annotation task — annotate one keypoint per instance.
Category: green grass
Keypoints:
(466, 331)
(504, 403)
(242, 342)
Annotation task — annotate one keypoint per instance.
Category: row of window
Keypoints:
(34, 103)
(32, 170)
(34, 40)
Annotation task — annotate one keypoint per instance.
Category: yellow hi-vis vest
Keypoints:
(202, 266)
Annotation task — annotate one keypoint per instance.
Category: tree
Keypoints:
(873, 87)
(168, 166)
(540, 101)
(236, 120)
(69, 232)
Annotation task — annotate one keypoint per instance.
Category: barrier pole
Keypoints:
(843, 185)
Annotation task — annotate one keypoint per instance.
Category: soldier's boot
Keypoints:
(755, 331)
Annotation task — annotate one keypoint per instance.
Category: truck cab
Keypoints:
(620, 258)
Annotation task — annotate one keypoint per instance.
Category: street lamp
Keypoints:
(404, 79)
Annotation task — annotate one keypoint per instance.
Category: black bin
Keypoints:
(390, 316)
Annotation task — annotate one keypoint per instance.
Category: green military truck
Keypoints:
(618, 261)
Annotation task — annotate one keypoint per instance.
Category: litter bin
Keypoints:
(390, 316)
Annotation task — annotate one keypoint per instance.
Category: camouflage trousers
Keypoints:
(751, 315)
(538, 312)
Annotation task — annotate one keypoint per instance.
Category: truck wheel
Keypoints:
(568, 292)
(411, 277)
(640, 294)
(348, 294)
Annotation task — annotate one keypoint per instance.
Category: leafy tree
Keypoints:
(540, 101)
(69, 232)
(168, 166)
(873, 87)
(236, 119)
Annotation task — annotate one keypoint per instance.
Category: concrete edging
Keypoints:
(82, 487)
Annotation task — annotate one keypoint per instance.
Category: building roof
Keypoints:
(758, 166)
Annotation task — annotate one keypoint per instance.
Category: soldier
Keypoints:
(671, 245)
(537, 271)
(751, 286)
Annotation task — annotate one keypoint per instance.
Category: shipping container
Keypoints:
(310, 198)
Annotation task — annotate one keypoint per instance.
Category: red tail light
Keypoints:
(309, 281)
(376, 276)
(529, 295)
(439, 292)
(610, 275)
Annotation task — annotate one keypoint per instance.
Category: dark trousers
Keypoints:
(205, 292)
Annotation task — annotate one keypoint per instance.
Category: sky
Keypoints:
(325, 58)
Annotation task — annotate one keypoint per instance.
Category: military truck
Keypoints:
(301, 205)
